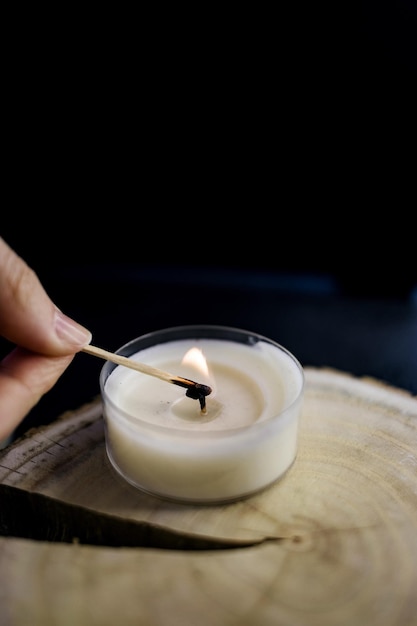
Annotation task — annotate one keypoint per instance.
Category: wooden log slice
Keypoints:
(334, 542)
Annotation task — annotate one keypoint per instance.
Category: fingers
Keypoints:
(28, 317)
(24, 378)
(46, 340)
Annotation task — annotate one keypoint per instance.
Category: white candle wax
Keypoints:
(159, 440)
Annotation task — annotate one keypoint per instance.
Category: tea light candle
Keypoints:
(160, 441)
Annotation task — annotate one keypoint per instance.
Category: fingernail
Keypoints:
(71, 332)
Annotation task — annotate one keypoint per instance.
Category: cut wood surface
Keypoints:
(334, 542)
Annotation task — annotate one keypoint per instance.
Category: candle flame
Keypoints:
(196, 359)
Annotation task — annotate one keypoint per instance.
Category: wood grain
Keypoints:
(332, 543)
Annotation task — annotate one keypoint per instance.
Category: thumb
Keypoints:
(28, 317)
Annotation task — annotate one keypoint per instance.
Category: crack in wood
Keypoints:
(32, 515)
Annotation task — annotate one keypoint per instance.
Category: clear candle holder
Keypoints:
(162, 442)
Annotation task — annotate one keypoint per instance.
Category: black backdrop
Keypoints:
(252, 170)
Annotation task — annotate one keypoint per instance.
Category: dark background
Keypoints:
(254, 170)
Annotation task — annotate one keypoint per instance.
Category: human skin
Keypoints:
(45, 340)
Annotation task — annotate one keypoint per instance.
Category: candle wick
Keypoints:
(196, 391)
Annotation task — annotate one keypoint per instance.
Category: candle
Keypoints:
(160, 441)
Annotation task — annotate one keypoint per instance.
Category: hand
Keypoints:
(46, 340)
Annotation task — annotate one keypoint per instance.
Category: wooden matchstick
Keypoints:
(196, 391)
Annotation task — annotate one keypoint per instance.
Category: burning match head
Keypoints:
(196, 391)
(199, 392)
